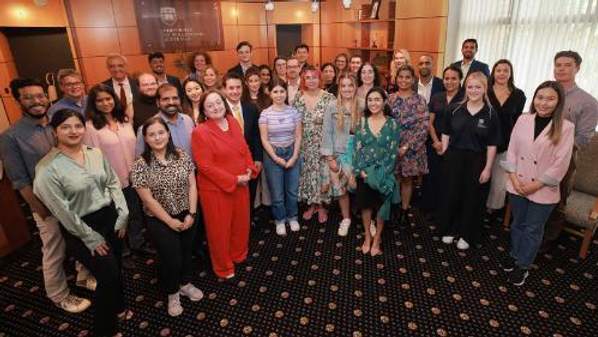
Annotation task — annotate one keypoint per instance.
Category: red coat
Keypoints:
(220, 157)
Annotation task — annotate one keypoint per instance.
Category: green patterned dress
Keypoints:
(314, 171)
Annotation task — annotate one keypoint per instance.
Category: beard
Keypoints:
(36, 116)
(170, 110)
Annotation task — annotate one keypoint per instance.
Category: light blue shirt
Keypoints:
(180, 131)
(68, 103)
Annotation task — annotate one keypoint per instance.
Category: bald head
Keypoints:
(148, 84)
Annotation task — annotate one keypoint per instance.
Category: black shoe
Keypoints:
(518, 276)
(508, 264)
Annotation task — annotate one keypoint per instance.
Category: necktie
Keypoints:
(239, 117)
(123, 96)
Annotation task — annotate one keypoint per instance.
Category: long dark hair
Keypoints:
(63, 114)
(280, 83)
(328, 64)
(97, 118)
(385, 108)
(202, 109)
(187, 104)
(171, 151)
(557, 115)
(263, 100)
(510, 82)
(269, 84)
(376, 74)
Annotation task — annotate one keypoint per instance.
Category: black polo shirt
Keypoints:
(472, 132)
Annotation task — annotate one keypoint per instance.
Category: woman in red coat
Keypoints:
(224, 167)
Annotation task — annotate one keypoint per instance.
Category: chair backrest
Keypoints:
(586, 174)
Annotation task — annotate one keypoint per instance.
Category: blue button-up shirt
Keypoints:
(21, 147)
(180, 131)
(68, 103)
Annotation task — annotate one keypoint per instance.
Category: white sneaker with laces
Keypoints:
(174, 305)
(462, 244)
(73, 304)
(192, 292)
(343, 228)
(294, 224)
(281, 229)
(448, 239)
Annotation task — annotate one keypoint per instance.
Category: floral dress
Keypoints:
(314, 171)
(412, 115)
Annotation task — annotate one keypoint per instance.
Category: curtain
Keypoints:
(529, 33)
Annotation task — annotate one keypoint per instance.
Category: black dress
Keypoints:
(508, 114)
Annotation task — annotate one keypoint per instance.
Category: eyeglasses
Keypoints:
(72, 84)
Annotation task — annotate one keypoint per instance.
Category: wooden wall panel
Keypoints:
(92, 13)
(421, 8)
(124, 13)
(24, 13)
(420, 34)
(97, 41)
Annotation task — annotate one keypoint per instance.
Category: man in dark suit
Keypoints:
(156, 63)
(126, 87)
(247, 115)
(468, 64)
(244, 49)
(301, 53)
(428, 85)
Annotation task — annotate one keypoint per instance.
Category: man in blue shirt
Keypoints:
(73, 89)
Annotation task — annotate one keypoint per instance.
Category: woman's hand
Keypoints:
(176, 225)
(363, 175)
(242, 179)
(437, 146)
(280, 162)
(189, 220)
(516, 183)
(485, 175)
(102, 249)
(403, 151)
(531, 188)
(333, 165)
(291, 162)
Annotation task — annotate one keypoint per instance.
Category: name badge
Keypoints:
(481, 123)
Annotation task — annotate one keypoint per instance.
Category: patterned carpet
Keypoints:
(314, 283)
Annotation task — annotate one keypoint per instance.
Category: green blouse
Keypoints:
(71, 191)
(376, 155)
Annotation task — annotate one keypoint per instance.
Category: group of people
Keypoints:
(177, 157)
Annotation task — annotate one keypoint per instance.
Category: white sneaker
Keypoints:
(373, 229)
(294, 225)
(281, 229)
(448, 239)
(343, 228)
(462, 244)
(174, 305)
(193, 293)
(74, 304)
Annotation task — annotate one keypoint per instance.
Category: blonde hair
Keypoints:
(355, 113)
(477, 76)
(394, 67)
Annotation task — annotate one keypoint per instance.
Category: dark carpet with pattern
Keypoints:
(315, 283)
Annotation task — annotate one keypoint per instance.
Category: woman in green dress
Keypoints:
(312, 102)
(375, 154)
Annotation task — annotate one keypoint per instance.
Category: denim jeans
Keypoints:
(284, 185)
(527, 229)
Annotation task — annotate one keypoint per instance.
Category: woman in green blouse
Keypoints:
(375, 153)
(83, 192)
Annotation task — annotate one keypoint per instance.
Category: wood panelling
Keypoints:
(421, 8)
(92, 13)
(24, 13)
(124, 13)
(251, 14)
(97, 41)
(128, 38)
(420, 34)
(8, 71)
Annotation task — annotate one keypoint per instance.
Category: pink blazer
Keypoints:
(539, 159)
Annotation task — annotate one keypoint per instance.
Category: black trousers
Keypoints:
(460, 210)
(108, 298)
(174, 252)
(432, 182)
(252, 193)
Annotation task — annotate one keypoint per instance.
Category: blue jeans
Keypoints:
(284, 185)
(527, 229)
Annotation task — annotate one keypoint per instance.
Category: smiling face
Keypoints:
(157, 65)
(400, 59)
(545, 102)
(281, 67)
(375, 103)
(502, 73)
(355, 64)
(293, 69)
(233, 88)
(169, 101)
(347, 88)
(265, 76)
(156, 136)
(148, 85)
(312, 80)
(199, 62)
(278, 95)
(117, 68)
(193, 91)
(72, 86)
(424, 66)
(328, 74)
(302, 54)
(33, 101)
(405, 80)
(340, 62)
(565, 69)
(468, 50)
(214, 107)
(210, 78)
(451, 80)
(70, 132)
(104, 102)
(475, 89)
(367, 75)
(244, 54)
(253, 83)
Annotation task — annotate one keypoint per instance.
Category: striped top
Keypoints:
(281, 125)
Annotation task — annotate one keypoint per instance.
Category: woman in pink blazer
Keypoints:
(537, 159)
